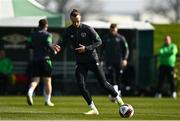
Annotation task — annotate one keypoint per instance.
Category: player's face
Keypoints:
(168, 40)
(46, 27)
(76, 21)
(114, 30)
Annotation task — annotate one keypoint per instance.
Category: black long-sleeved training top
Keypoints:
(115, 48)
(84, 35)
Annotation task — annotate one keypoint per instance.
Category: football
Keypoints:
(126, 111)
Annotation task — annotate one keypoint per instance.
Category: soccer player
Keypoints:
(167, 60)
(6, 70)
(115, 55)
(83, 41)
(41, 43)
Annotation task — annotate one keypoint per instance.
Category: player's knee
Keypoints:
(81, 85)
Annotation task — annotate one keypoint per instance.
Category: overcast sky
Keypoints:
(124, 5)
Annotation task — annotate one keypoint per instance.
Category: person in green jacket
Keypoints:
(167, 60)
(6, 68)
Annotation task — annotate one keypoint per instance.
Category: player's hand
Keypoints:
(56, 48)
(124, 63)
(80, 49)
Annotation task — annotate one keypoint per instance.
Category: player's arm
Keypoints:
(96, 40)
(53, 48)
(125, 49)
(162, 51)
(125, 52)
(10, 66)
(102, 50)
(168, 52)
(29, 43)
(64, 40)
(174, 49)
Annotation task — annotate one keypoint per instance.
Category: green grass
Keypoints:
(72, 107)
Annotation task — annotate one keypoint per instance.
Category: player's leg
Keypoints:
(161, 80)
(34, 81)
(33, 85)
(118, 77)
(170, 76)
(112, 79)
(81, 74)
(46, 74)
(47, 91)
(3, 83)
(112, 76)
(110, 73)
(98, 70)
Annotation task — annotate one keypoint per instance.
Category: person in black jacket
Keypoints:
(83, 41)
(115, 55)
(40, 42)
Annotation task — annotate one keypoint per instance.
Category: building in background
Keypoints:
(27, 13)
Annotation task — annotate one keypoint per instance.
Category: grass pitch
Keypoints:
(72, 107)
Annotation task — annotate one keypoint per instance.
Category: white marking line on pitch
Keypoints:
(89, 120)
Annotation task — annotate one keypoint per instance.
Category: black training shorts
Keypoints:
(41, 68)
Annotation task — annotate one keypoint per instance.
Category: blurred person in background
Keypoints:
(6, 68)
(115, 55)
(40, 42)
(167, 61)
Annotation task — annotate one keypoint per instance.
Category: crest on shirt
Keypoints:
(83, 34)
(117, 39)
(72, 36)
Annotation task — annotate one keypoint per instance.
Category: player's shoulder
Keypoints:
(120, 35)
(39, 31)
(106, 36)
(69, 28)
(173, 44)
(85, 26)
(47, 33)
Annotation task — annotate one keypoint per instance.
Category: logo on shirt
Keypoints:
(117, 39)
(83, 34)
(72, 36)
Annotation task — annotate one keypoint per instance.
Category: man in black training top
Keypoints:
(115, 55)
(83, 41)
(40, 42)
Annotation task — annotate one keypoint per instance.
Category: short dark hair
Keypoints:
(113, 25)
(75, 12)
(42, 23)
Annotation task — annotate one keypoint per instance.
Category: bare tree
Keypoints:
(167, 8)
(85, 6)
(65, 6)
